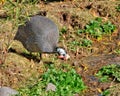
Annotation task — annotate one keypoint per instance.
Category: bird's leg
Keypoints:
(30, 53)
(40, 54)
(40, 58)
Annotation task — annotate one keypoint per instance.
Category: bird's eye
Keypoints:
(63, 54)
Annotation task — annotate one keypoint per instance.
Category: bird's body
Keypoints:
(39, 34)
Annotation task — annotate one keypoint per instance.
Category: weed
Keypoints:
(67, 83)
(109, 71)
(73, 45)
(79, 31)
(97, 28)
(82, 43)
(117, 51)
(106, 93)
(86, 43)
(118, 8)
(63, 30)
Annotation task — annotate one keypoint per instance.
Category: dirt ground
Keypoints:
(18, 69)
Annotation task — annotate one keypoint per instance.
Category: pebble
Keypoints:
(51, 87)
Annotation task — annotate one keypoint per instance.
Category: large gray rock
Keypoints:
(7, 91)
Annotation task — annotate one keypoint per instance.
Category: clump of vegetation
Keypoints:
(83, 43)
(73, 45)
(109, 71)
(86, 43)
(63, 30)
(105, 93)
(67, 83)
(118, 8)
(97, 28)
(117, 51)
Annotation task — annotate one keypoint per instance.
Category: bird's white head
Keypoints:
(62, 54)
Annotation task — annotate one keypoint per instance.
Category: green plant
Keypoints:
(82, 43)
(97, 28)
(63, 30)
(73, 45)
(109, 71)
(86, 43)
(117, 51)
(67, 83)
(108, 27)
(13, 11)
(105, 93)
(118, 8)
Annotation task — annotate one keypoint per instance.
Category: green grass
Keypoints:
(67, 83)
(109, 71)
(19, 11)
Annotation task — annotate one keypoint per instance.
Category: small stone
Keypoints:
(76, 94)
(51, 87)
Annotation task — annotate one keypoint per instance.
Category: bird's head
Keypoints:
(62, 54)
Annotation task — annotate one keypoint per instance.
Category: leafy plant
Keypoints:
(63, 30)
(82, 43)
(117, 51)
(86, 43)
(105, 93)
(73, 45)
(109, 71)
(118, 8)
(67, 83)
(97, 28)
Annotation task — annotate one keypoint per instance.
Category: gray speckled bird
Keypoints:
(40, 34)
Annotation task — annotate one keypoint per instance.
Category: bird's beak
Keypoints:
(61, 57)
(64, 57)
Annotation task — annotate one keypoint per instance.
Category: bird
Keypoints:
(40, 34)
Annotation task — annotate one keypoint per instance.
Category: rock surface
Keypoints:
(7, 91)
